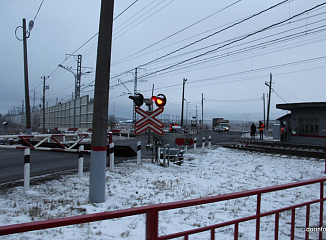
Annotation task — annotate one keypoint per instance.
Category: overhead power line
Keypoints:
(38, 10)
(237, 23)
(88, 39)
(230, 43)
(191, 25)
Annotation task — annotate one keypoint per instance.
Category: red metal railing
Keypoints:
(152, 213)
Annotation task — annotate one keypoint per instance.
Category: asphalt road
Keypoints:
(42, 162)
(46, 162)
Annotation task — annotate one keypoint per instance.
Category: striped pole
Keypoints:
(112, 156)
(81, 161)
(195, 143)
(203, 144)
(27, 168)
(209, 141)
(139, 152)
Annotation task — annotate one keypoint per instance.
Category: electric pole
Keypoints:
(44, 88)
(97, 178)
(264, 112)
(202, 111)
(134, 105)
(183, 97)
(77, 76)
(28, 109)
(269, 98)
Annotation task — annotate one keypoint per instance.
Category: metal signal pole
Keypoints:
(97, 178)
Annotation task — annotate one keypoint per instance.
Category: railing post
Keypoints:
(81, 161)
(292, 223)
(307, 221)
(152, 225)
(213, 234)
(236, 231)
(321, 209)
(277, 220)
(258, 215)
(27, 168)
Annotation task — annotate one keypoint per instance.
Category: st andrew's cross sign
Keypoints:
(149, 121)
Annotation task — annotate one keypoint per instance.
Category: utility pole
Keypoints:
(97, 178)
(269, 98)
(23, 110)
(264, 112)
(34, 102)
(134, 105)
(28, 109)
(78, 76)
(202, 111)
(183, 97)
(44, 88)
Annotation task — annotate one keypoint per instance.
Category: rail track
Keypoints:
(280, 148)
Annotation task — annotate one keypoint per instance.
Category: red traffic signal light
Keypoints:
(138, 99)
(160, 100)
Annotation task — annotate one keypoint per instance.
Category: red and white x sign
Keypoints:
(149, 121)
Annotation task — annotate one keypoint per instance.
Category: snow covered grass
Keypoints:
(203, 173)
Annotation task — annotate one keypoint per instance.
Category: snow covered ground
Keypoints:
(203, 173)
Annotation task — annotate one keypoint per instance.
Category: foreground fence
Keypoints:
(152, 214)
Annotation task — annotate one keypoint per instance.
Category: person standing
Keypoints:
(253, 131)
(282, 133)
(261, 130)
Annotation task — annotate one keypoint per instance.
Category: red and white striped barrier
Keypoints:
(46, 137)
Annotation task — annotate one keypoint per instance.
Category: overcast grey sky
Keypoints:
(170, 40)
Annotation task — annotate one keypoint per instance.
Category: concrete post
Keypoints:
(203, 144)
(97, 184)
(195, 143)
(209, 141)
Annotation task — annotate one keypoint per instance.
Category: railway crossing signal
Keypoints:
(149, 121)
(160, 100)
(138, 99)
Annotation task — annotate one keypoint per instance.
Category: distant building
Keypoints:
(306, 124)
